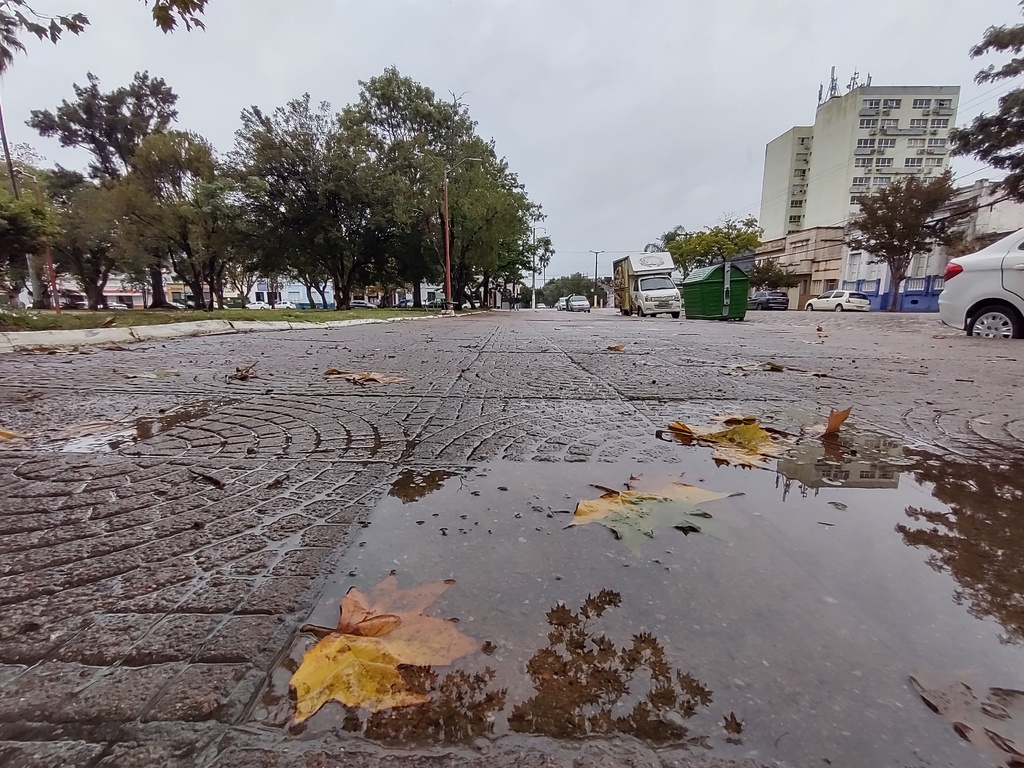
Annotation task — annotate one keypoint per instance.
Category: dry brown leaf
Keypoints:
(743, 442)
(367, 377)
(8, 435)
(357, 663)
(617, 348)
(835, 420)
(733, 724)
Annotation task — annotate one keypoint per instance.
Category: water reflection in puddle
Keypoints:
(809, 633)
(107, 436)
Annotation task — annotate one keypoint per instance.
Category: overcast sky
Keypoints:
(623, 118)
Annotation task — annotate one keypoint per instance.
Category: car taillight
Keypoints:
(952, 270)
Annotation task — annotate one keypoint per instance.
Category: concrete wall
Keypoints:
(781, 165)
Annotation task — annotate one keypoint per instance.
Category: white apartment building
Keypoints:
(815, 175)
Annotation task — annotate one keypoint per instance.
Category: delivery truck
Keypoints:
(644, 286)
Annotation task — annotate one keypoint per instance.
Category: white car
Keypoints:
(839, 301)
(560, 304)
(577, 304)
(983, 292)
(257, 305)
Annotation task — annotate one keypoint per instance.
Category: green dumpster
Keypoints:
(718, 292)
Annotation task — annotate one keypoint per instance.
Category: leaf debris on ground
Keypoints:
(242, 373)
(633, 514)
(617, 348)
(358, 662)
(740, 441)
(157, 374)
(365, 378)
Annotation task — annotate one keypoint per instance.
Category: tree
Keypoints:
(897, 222)
(25, 228)
(111, 127)
(575, 284)
(768, 275)
(712, 245)
(998, 139)
(20, 16)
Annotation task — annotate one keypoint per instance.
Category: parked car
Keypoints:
(403, 304)
(839, 301)
(577, 304)
(284, 305)
(769, 300)
(361, 304)
(257, 305)
(541, 305)
(560, 304)
(117, 305)
(983, 292)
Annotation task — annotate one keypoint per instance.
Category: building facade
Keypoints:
(813, 256)
(860, 141)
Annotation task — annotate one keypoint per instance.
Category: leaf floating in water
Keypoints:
(741, 441)
(838, 505)
(836, 420)
(358, 662)
(634, 514)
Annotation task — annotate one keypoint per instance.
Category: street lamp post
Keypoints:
(596, 254)
(533, 296)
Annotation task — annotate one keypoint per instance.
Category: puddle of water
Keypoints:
(105, 437)
(412, 485)
(841, 575)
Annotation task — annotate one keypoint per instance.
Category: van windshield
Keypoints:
(656, 284)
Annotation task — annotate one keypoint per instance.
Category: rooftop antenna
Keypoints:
(869, 79)
(833, 88)
(854, 81)
(821, 93)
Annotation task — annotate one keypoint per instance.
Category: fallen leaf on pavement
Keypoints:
(617, 348)
(157, 374)
(108, 322)
(8, 435)
(820, 329)
(768, 366)
(733, 724)
(40, 350)
(358, 662)
(739, 441)
(994, 725)
(242, 374)
(835, 420)
(368, 377)
(633, 514)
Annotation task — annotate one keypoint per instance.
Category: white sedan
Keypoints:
(839, 301)
(983, 292)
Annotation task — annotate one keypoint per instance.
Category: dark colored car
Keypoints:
(769, 300)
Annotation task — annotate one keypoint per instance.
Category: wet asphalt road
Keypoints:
(165, 538)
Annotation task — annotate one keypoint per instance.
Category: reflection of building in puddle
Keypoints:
(867, 462)
(412, 485)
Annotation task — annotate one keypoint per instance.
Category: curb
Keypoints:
(15, 341)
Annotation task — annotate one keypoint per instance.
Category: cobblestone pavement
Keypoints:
(164, 538)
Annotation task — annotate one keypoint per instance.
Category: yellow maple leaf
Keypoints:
(357, 662)
(740, 441)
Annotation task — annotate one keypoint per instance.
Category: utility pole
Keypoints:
(596, 254)
(533, 296)
(34, 280)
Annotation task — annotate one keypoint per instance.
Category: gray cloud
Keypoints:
(623, 119)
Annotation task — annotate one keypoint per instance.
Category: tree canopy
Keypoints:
(711, 245)
(898, 222)
(768, 275)
(998, 139)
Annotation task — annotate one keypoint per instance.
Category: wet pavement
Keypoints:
(170, 543)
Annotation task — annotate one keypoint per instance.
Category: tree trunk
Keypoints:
(156, 282)
(323, 295)
(485, 289)
(417, 299)
(94, 294)
(894, 293)
(309, 296)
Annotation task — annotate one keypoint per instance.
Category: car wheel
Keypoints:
(760, 307)
(809, 308)
(995, 322)
(839, 307)
(640, 311)
(675, 315)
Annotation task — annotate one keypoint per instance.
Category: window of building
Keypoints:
(890, 122)
(862, 162)
(886, 143)
(804, 141)
(799, 173)
(865, 143)
(796, 203)
(913, 162)
(816, 287)
(922, 103)
(915, 143)
(881, 181)
(869, 123)
(940, 122)
(260, 296)
(795, 219)
(883, 162)
(937, 143)
(861, 181)
(855, 200)
(872, 103)
(944, 103)
(933, 162)
(831, 285)
(919, 123)
(892, 103)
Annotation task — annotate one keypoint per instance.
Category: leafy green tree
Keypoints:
(998, 139)
(897, 222)
(26, 227)
(712, 245)
(111, 126)
(20, 16)
(768, 275)
(575, 284)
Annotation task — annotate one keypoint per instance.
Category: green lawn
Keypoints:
(46, 320)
